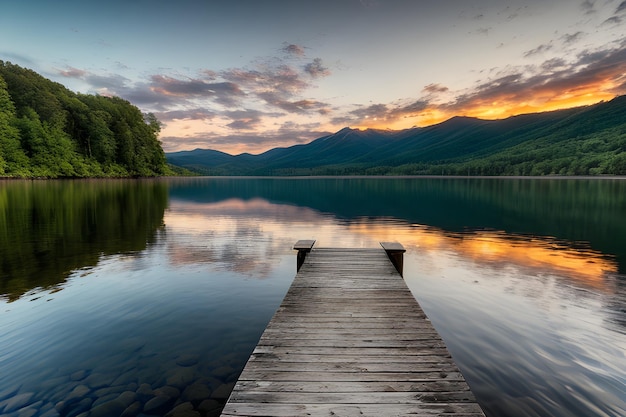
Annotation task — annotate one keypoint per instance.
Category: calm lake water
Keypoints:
(122, 297)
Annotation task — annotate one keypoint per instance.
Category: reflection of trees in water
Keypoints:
(50, 228)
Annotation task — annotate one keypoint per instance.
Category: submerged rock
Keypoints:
(187, 360)
(133, 410)
(79, 375)
(107, 409)
(183, 410)
(51, 413)
(78, 393)
(126, 378)
(27, 412)
(223, 391)
(127, 398)
(222, 372)
(79, 408)
(158, 405)
(180, 408)
(167, 391)
(196, 393)
(18, 401)
(104, 399)
(210, 405)
(144, 392)
(9, 392)
(98, 380)
(180, 377)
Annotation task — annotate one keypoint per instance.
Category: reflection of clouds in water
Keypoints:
(243, 236)
(250, 236)
(588, 267)
(563, 280)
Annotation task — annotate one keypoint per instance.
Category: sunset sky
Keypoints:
(250, 75)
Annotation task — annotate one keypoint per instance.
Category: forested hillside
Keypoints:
(587, 140)
(49, 131)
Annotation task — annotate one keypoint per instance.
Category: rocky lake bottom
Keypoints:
(187, 385)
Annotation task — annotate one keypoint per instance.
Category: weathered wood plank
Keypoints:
(426, 349)
(378, 397)
(366, 410)
(350, 339)
(413, 376)
(355, 359)
(354, 386)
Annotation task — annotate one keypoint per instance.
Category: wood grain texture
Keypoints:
(350, 339)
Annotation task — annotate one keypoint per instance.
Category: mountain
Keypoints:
(588, 140)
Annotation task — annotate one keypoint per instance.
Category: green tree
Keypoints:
(12, 157)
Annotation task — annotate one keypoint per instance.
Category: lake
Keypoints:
(132, 297)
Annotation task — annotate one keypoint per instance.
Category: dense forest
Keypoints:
(588, 140)
(48, 131)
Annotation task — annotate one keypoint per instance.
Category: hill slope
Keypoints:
(587, 140)
(49, 131)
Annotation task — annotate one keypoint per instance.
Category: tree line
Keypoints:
(48, 131)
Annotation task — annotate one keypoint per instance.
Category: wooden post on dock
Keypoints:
(395, 252)
(303, 247)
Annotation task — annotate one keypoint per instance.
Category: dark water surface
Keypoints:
(139, 297)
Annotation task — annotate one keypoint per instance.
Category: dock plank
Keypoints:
(349, 339)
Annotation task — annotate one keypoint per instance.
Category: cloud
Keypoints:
(282, 79)
(569, 39)
(297, 106)
(247, 124)
(615, 20)
(483, 31)
(72, 72)
(381, 114)
(192, 87)
(109, 82)
(316, 69)
(194, 114)
(411, 109)
(435, 88)
(593, 72)
(293, 49)
(374, 111)
(244, 119)
(621, 8)
(588, 6)
(538, 50)
(553, 64)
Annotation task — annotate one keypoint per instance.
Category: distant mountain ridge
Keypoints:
(588, 140)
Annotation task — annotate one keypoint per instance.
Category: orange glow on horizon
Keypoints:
(494, 109)
(586, 267)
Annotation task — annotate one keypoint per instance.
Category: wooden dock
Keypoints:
(349, 339)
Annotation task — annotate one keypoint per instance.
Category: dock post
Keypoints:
(395, 252)
(303, 247)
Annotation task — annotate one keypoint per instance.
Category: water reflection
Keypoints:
(590, 211)
(50, 228)
(577, 262)
(522, 278)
